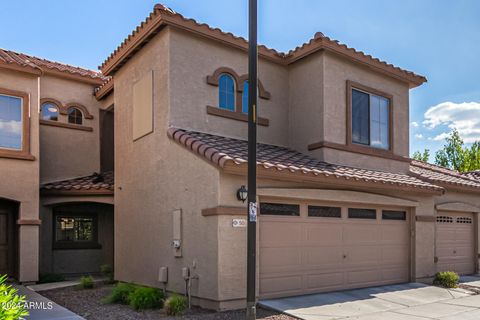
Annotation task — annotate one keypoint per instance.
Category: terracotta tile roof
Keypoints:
(104, 89)
(162, 15)
(473, 174)
(95, 183)
(223, 151)
(440, 175)
(320, 41)
(8, 57)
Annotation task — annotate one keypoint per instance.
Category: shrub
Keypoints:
(120, 293)
(175, 305)
(447, 279)
(51, 277)
(86, 282)
(12, 306)
(107, 271)
(146, 298)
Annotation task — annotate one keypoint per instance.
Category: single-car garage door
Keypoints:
(454, 243)
(307, 248)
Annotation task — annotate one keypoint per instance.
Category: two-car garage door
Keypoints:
(307, 248)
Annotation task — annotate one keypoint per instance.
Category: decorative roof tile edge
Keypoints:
(100, 187)
(26, 63)
(162, 15)
(442, 170)
(235, 164)
(104, 89)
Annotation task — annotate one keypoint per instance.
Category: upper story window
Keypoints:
(226, 92)
(370, 119)
(11, 122)
(49, 111)
(75, 116)
(245, 97)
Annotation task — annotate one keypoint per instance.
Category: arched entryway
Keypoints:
(8, 238)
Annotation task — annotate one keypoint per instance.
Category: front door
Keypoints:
(7, 239)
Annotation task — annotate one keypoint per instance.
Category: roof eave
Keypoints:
(20, 68)
(231, 167)
(104, 90)
(75, 192)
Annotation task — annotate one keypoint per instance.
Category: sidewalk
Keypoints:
(41, 308)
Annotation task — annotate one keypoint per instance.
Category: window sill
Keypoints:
(76, 246)
(370, 151)
(65, 125)
(18, 155)
(214, 111)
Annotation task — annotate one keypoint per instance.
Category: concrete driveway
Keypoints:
(412, 301)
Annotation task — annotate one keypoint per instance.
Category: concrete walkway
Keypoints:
(41, 308)
(412, 301)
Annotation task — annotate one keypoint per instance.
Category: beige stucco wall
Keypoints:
(337, 72)
(192, 59)
(153, 177)
(20, 178)
(318, 108)
(66, 152)
(306, 105)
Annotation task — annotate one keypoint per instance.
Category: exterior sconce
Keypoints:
(242, 194)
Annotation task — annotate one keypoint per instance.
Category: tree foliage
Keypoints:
(455, 155)
(422, 156)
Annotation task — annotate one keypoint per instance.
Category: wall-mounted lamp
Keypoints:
(242, 194)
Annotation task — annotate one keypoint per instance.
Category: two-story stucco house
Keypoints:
(341, 203)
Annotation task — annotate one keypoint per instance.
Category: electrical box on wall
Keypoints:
(177, 233)
(163, 275)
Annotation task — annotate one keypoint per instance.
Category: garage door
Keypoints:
(454, 241)
(307, 248)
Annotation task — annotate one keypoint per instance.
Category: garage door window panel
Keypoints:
(359, 213)
(324, 212)
(279, 209)
(394, 215)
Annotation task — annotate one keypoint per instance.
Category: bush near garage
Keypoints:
(446, 279)
(121, 293)
(146, 298)
(175, 305)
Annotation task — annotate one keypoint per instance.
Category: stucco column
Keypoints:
(28, 253)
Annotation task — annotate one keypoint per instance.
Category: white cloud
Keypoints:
(414, 124)
(419, 136)
(11, 127)
(441, 136)
(465, 117)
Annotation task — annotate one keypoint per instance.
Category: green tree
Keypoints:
(421, 156)
(455, 155)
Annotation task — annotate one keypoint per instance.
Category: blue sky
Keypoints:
(436, 38)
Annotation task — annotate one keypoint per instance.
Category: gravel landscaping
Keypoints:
(88, 304)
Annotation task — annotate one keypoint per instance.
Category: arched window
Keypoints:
(226, 92)
(75, 116)
(49, 111)
(245, 97)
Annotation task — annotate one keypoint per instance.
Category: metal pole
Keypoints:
(252, 160)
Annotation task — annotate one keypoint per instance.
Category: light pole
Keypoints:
(252, 160)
